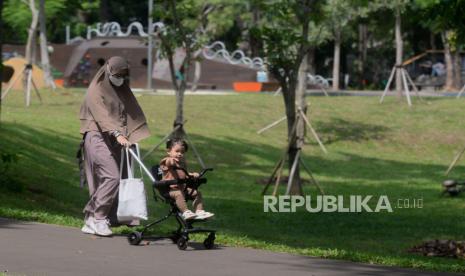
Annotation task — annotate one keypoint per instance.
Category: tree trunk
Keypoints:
(457, 69)
(311, 61)
(48, 78)
(432, 41)
(362, 51)
(297, 143)
(179, 133)
(255, 44)
(449, 64)
(180, 108)
(289, 103)
(1, 51)
(104, 11)
(336, 60)
(31, 43)
(180, 90)
(399, 52)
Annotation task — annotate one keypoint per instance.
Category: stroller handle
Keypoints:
(141, 164)
(163, 183)
(202, 173)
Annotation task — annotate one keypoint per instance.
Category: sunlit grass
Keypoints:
(374, 149)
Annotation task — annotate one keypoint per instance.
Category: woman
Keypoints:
(110, 119)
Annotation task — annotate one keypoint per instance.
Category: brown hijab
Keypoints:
(107, 107)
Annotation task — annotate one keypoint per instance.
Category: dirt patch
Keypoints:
(441, 248)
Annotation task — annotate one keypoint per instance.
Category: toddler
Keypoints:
(176, 148)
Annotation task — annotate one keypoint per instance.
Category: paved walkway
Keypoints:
(28, 248)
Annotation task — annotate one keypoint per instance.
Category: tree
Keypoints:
(30, 48)
(17, 17)
(398, 7)
(339, 13)
(44, 58)
(1, 51)
(288, 35)
(183, 31)
(446, 18)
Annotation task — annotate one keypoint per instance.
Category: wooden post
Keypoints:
(283, 157)
(322, 146)
(270, 179)
(293, 173)
(407, 91)
(461, 92)
(456, 159)
(271, 125)
(311, 176)
(388, 84)
(196, 153)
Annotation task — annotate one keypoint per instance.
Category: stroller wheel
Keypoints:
(174, 238)
(209, 242)
(182, 243)
(135, 238)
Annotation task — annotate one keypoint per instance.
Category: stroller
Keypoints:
(161, 192)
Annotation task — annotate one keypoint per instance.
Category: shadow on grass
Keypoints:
(47, 168)
(234, 156)
(342, 130)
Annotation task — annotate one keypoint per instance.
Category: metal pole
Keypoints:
(150, 46)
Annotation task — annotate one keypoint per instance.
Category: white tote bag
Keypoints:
(132, 200)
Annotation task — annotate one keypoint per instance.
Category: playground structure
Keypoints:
(217, 70)
(80, 58)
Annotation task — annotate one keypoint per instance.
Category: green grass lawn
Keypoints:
(374, 149)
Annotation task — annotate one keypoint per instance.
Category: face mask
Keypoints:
(116, 81)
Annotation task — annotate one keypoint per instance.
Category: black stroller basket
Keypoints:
(161, 190)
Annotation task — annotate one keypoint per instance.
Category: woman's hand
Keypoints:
(123, 141)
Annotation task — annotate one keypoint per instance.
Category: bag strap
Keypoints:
(125, 157)
(149, 174)
(126, 153)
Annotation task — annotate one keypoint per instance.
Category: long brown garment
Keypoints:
(108, 108)
(102, 155)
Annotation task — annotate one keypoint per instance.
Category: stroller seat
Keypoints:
(180, 236)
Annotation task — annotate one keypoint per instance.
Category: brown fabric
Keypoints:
(167, 165)
(180, 199)
(102, 155)
(113, 107)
